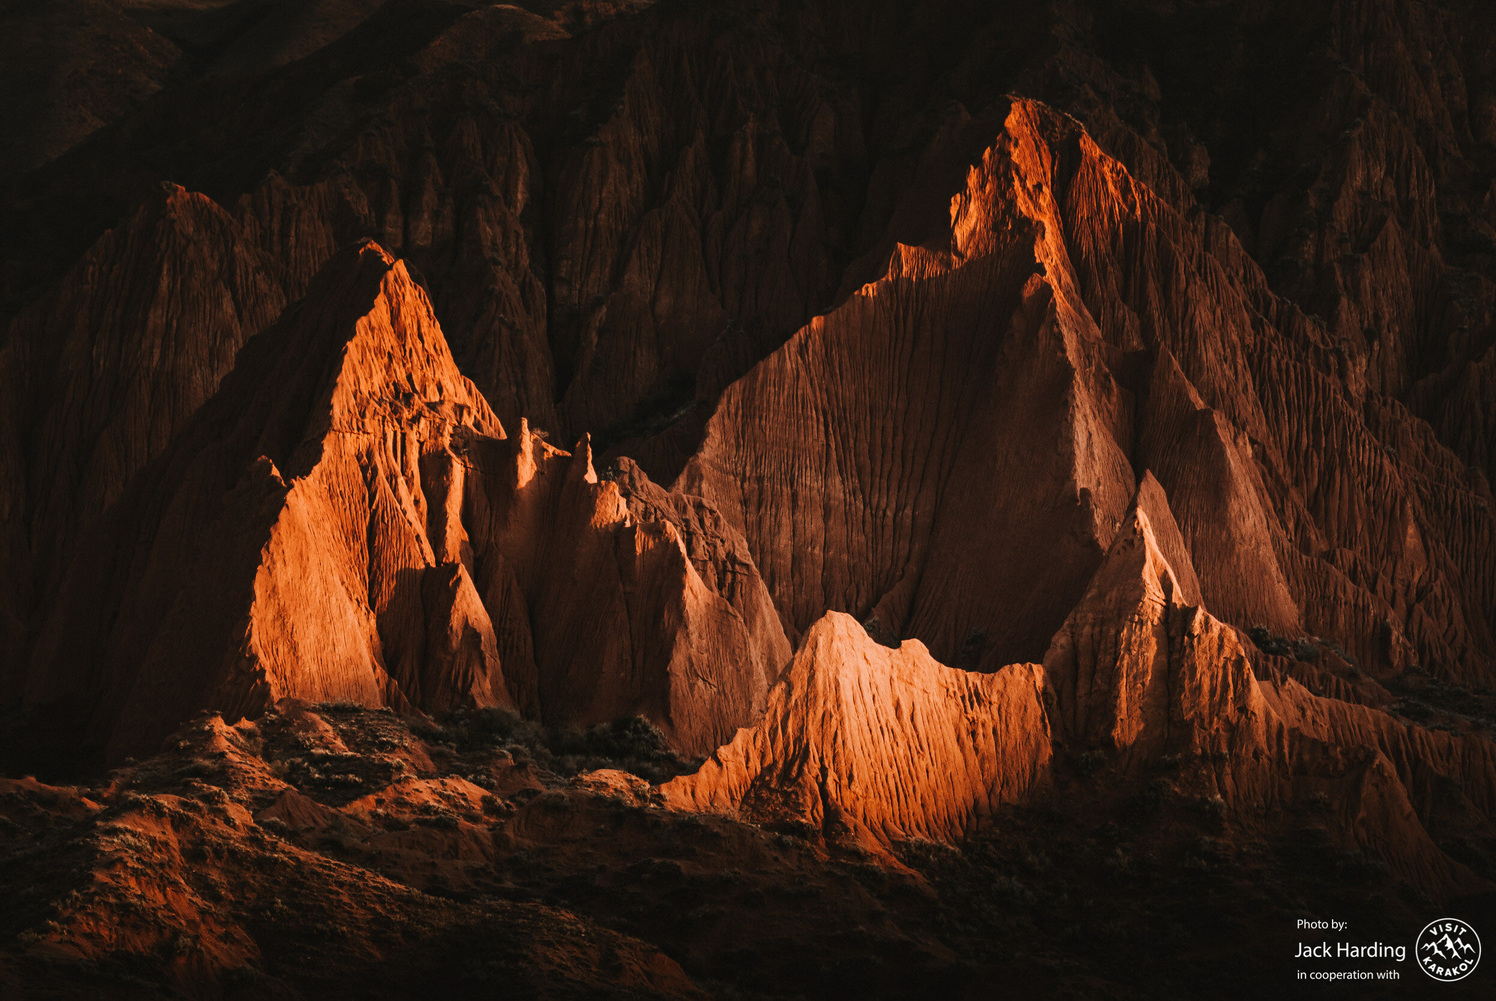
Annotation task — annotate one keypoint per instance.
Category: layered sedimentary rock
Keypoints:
(344, 520)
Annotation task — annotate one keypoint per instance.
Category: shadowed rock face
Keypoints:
(940, 452)
(610, 268)
(103, 372)
(233, 579)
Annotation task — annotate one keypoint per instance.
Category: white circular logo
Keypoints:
(1448, 949)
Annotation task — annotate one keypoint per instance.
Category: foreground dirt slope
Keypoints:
(196, 858)
(336, 851)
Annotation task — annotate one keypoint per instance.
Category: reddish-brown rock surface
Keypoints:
(874, 746)
(1137, 672)
(344, 520)
(909, 456)
(102, 373)
(880, 745)
(1002, 430)
(218, 869)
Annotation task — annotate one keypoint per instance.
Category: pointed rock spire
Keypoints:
(877, 745)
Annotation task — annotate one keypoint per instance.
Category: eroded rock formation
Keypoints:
(880, 745)
(344, 520)
(1066, 327)
(991, 417)
(874, 746)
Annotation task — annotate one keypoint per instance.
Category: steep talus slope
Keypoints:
(1228, 522)
(343, 520)
(719, 554)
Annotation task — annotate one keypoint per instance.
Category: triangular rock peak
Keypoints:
(878, 745)
(889, 744)
(345, 520)
(1139, 669)
(951, 448)
(1153, 503)
(941, 451)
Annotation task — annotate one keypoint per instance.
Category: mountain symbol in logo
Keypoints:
(1449, 948)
